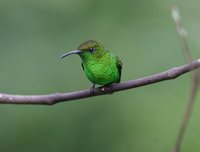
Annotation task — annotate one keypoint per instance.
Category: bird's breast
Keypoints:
(101, 71)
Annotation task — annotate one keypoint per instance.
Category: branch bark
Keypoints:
(61, 97)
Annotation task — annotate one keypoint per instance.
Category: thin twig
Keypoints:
(61, 97)
(195, 79)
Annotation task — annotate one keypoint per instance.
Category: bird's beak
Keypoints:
(69, 53)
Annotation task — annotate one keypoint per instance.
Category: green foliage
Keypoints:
(34, 34)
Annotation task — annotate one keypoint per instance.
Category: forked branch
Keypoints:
(182, 33)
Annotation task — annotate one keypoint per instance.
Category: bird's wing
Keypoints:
(82, 66)
(119, 67)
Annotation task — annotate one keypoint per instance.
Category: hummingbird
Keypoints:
(100, 65)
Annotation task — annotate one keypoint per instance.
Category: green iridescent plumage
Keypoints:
(100, 66)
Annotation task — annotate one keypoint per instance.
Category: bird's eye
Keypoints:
(92, 50)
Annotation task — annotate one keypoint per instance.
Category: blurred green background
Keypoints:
(33, 35)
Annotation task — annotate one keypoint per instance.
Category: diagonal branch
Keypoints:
(61, 97)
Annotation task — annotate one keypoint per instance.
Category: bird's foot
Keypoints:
(104, 88)
(92, 89)
(107, 88)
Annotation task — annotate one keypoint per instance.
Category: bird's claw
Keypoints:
(92, 89)
(107, 88)
(102, 88)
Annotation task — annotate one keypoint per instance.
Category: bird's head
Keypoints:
(88, 49)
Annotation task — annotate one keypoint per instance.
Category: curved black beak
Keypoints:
(69, 53)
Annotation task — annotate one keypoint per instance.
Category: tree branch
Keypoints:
(61, 97)
(182, 33)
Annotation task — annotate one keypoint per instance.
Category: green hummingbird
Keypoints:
(101, 66)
